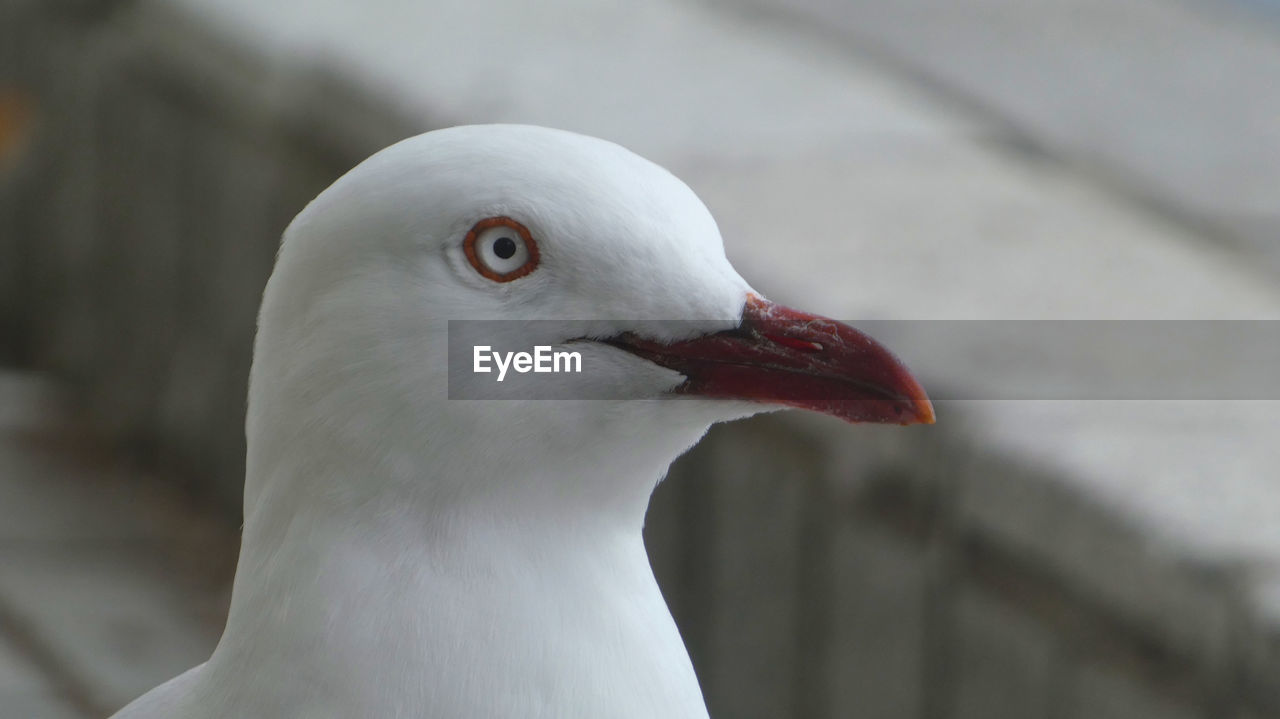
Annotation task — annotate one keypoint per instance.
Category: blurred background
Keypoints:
(904, 159)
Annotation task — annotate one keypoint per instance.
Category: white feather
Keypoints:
(407, 555)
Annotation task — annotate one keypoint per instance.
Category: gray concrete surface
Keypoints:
(1170, 102)
(1043, 160)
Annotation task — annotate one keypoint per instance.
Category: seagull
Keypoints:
(409, 552)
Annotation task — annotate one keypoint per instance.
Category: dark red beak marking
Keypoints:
(783, 356)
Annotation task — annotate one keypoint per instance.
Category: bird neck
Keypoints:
(392, 608)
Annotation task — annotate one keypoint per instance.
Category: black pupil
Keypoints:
(504, 247)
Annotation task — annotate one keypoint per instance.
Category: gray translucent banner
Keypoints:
(953, 359)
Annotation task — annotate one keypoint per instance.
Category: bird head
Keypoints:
(530, 237)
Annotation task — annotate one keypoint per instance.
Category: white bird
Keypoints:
(406, 554)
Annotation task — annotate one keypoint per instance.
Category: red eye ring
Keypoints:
(473, 256)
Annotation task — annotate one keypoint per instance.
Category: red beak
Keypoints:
(783, 356)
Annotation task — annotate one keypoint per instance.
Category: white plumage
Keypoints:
(408, 555)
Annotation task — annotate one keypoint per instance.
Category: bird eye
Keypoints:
(501, 249)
